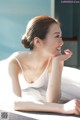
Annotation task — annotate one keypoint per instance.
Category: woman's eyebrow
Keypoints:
(57, 33)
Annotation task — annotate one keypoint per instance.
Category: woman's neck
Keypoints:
(38, 58)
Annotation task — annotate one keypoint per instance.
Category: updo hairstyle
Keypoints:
(37, 27)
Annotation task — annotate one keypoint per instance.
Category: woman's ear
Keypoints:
(37, 42)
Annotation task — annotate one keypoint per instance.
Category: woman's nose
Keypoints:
(61, 41)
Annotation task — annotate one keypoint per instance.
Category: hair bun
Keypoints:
(25, 42)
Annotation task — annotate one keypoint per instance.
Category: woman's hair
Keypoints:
(37, 27)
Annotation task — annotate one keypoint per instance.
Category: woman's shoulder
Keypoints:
(18, 54)
(16, 57)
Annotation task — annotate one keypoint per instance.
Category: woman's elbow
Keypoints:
(16, 106)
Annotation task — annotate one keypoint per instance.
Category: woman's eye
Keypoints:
(58, 36)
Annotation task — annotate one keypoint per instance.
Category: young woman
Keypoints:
(40, 69)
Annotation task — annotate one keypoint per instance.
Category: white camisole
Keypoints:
(70, 85)
(37, 90)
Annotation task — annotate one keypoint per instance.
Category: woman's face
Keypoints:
(53, 41)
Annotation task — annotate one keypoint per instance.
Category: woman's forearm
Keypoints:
(41, 107)
(54, 85)
(71, 107)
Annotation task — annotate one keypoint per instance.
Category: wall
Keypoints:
(14, 15)
(64, 12)
(69, 16)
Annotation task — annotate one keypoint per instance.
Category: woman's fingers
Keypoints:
(63, 57)
(67, 51)
(68, 54)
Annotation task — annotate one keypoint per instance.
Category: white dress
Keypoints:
(70, 86)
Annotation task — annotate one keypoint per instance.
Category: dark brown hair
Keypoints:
(37, 27)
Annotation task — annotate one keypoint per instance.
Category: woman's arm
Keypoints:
(71, 107)
(14, 70)
(37, 106)
(54, 85)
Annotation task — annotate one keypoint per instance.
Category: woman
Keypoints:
(40, 69)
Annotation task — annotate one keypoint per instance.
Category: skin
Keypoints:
(44, 51)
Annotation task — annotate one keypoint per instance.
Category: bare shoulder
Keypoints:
(16, 55)
(12, 60)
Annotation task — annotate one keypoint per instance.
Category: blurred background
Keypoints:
(15, 14)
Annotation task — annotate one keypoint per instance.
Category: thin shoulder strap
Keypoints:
(48, 62)
(47, 67)
(19, 63)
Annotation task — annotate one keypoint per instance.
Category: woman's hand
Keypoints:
(63, 57)
(72, 107)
